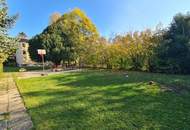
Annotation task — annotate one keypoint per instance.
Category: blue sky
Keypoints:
(110, 16)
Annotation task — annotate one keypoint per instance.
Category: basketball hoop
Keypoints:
(41, 52)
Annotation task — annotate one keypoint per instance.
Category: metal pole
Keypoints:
(43, 62)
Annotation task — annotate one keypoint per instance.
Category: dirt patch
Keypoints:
(179, 89)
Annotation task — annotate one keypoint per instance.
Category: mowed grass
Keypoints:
(100, 100)
(3, 81)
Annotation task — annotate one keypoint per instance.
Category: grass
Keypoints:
(10, 69)
(108, 100)
(3, 82)
(28, 68)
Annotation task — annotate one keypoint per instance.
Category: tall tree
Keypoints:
(133, 50)
(65, 39)
(7, 44)
(34, 44)
(173, 53)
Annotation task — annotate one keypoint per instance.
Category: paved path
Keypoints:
(13, 115)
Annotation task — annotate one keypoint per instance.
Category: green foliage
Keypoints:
(130, 51)
(74, 39)
(34, 44)
(7, 47)
(65, 39)
(173, 52)
(161, 50)
(55, 48)
(6, 21)
(7, 44)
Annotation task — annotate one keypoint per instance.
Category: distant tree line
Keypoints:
(73, 39)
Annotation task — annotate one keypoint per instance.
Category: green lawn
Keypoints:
(3, 82)
(98, 100)
(16, 69)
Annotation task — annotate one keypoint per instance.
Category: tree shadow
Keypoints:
(109, 101)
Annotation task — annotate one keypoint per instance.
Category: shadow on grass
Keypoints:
(109, 101)
(10, 69)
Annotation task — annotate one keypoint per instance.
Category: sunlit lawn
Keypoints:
(3, 81)
(108, 100)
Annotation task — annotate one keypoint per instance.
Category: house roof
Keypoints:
(23, 40)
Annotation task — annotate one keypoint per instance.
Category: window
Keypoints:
(24, 52)
(23, 45)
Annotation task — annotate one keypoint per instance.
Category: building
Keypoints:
(22, 53)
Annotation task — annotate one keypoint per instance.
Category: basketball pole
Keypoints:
(43, 62)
